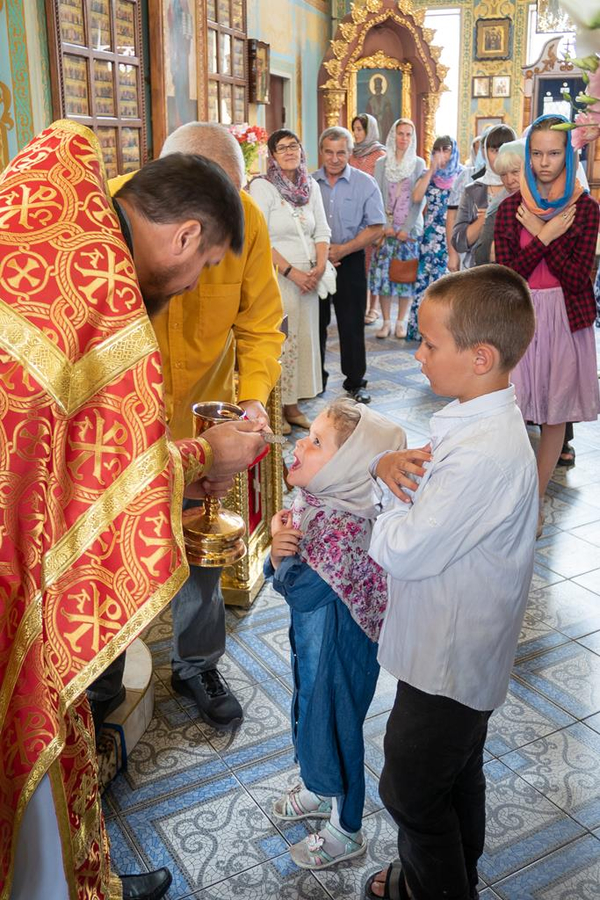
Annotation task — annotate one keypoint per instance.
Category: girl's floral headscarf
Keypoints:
(336, 514)
(444, 178)
(564, 191)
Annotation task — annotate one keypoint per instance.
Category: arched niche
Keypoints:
(383, 35)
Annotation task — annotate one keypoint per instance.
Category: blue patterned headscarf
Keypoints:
(444, 178)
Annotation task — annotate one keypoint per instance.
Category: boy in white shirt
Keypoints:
(459, 554)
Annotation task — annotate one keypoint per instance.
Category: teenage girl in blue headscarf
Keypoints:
(547, 233)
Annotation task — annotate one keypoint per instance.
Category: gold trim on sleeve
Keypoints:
(71, 384)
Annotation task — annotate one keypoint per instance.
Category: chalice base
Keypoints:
(213, 540)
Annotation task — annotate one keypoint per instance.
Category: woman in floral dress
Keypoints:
(435, 185)
(397, 175)
(367, 150)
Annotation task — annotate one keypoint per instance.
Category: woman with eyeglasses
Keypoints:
(292, 205)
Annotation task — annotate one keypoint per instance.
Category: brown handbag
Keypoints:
(404, 271)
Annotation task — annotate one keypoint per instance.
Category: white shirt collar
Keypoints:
(457, 413)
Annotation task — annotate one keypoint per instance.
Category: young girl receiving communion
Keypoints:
(337, 597)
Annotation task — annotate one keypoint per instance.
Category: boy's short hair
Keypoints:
(345, 414)
(487, 305)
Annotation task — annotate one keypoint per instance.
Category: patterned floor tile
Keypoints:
(521, 826)
(269, 642)
(567, 607)
(374, 732)
(568, 675)
(265, 730)
(590, 581)
(124, 858)
(567, 512)
(572, 873)
(268, 605)
(567, 555)
(488, 894)
(565, 767)
(523, 718)
(593, 722)
(278, 879)
(590, 532)
(535, 637)
(591, 641)
(166, 759)
(205, 835)
(385, 694)
(543, 576)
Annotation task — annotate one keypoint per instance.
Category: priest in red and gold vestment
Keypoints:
(90, 487)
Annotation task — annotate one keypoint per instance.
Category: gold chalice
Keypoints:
(213, 536)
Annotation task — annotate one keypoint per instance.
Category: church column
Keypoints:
(333, 101)
(430, 101)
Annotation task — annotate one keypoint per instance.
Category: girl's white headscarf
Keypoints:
(335, 513)
(490, 177)
(397, 171)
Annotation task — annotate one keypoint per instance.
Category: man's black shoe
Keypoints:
(101, 709)
(151, 886)
(360, 395)
(216, 704)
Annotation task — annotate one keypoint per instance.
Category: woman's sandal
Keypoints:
(394, 885)
(385, 330)
(290, 809)
(311, 853)
(567, 456)
(371, 316)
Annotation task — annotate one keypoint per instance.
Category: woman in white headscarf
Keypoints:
(367, 150)
(397, 176)
(478, 195)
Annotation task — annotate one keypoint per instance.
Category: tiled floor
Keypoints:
(199, 801)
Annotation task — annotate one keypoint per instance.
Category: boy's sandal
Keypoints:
(290, 809)
(311, 853)
(567, 456)
(394, 885)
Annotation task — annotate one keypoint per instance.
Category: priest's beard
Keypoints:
(159, 287)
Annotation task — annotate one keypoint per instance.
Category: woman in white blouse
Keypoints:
(291, 203)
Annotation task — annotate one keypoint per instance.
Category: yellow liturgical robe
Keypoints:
(230, 321)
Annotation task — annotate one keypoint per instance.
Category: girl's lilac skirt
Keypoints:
(557, 379)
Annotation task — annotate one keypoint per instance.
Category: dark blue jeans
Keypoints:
(433, 786)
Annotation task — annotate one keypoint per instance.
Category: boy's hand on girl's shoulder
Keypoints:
(285, 537)
(397, 470)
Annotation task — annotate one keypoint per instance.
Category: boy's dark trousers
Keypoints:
(434, 787)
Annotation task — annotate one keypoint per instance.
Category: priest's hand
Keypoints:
(208, 487)
(235, 446)
(398, 469)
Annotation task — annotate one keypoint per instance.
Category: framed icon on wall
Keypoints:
(493, 38)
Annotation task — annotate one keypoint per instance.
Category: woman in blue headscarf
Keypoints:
(435, 185)
(547, 233)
